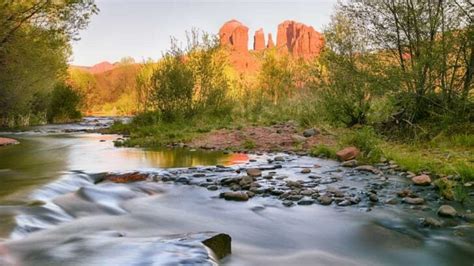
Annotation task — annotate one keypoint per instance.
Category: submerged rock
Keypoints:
(8, 141)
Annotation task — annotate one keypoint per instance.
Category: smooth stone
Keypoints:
(305, 202)
(421, 180)
(306, 171)
(254, 172)
(288, 203)
(344, 203)
(213, 188)
(368, 168)
(235, 196)
(279, 159)
(392, 201)
(325, 200)
(350, 163)
(413, 201)
(446, 211)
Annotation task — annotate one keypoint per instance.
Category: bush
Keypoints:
(192, 81)
(323, 150)
(64, 104)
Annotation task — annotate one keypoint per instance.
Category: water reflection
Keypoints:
(42, 158)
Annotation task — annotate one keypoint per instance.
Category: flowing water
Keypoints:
(53, 211)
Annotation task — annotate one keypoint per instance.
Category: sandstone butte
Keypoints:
(294, 38)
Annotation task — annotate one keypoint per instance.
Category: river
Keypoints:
(53, 211)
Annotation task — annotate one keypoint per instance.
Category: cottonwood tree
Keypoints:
(430, 42)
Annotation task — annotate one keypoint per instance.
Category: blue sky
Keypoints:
(142, 28)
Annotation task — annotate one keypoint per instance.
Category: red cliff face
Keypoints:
(294, 38)
(299, 39)
(259, 40)
(234, 34)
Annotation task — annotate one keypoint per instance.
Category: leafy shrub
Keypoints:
(323, 150)
(367, 141)
(64, 105)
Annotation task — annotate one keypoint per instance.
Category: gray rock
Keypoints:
(306, 202)
(310, 132)
(288, 203)
(213, 187)
(298, 139)
(325, 200)
(373, 197)
(392, 201)
(295, 197)
(279, 159)
(446, 211)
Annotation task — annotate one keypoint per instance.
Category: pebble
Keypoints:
(325, 200)
(305, 202)
(254, 172)
(421, 180)
(235, 196)
(306, 171)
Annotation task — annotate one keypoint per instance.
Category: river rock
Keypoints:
(254, 172)
(235, 196)
(347, 154)
(421, 180)
(368, 168)
(298, 138)
(431, 222)
(350, 163)
(288, 203)
(8, 141)
(446, 211)
(413, 201)
(220, 244)
(305, 202)
(325, 200)
(306, 171)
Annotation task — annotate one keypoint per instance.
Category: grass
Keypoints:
(323, 150)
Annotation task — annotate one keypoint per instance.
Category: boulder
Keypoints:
(220, 245)
(310, 132)
(421, 180)
(446, 211)
(347, 154)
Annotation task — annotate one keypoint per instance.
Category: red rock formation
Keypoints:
(101, 67)
(299, 39)
(235, 34)
(259, 40)
(270, 44)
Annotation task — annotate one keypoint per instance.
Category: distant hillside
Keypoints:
(97, 68)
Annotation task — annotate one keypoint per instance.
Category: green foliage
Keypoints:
(64, 105)
(323, 150)
(249, 144)
(191, 81)
(276, 77)
(367, 141)
(34, 49)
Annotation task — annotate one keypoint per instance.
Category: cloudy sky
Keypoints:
(142, 28)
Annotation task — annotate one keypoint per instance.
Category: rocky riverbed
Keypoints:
(300, 180)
